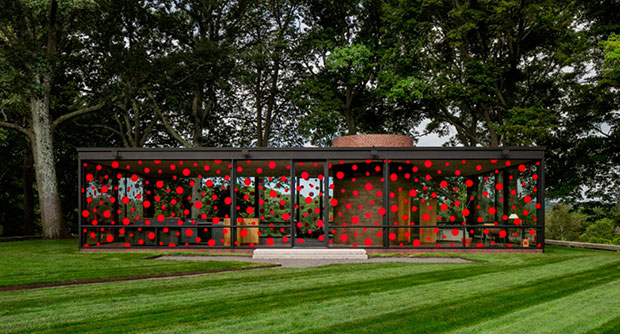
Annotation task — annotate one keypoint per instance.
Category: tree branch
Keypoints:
(76, 113)
(16, 128)
(171, 131)
(7, 33)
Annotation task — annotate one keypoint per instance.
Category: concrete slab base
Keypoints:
(309, 254)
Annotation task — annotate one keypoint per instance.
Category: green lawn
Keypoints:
(562, 291)
(48, 261)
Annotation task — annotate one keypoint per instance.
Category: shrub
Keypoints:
(564, 224)
(601, 231)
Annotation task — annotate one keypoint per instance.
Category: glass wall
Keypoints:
(404, 203)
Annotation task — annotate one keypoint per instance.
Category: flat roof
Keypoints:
(312, 153)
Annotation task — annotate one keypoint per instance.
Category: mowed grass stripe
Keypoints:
(610, 327)
(287, 296)
(116, 305)
(432, 317)
(52, 261)
(224, 286)
(117, 309)
(332, 312)
(594, 310)
(98, 303)
(459, 312)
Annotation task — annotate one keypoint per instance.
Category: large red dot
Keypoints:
(368, 186)
(179, 190)
(344, 237)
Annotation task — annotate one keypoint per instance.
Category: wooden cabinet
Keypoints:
(245, 235)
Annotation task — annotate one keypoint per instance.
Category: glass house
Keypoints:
(370, 197)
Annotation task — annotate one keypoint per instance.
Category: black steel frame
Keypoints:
(533, 154)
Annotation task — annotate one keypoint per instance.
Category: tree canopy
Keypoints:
(192, 73)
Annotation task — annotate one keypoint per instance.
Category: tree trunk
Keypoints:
(28, 221)
(45, 170)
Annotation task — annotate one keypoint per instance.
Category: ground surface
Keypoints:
(562, 291)
(46, 261)
(291, 263)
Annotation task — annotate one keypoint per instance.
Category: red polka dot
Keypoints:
(368, 186)
(428, 163)
(109, 238)
(269, 241)
(339, 175)
(368, 242)
(179, 190)
(89, 177)
(189, 232)
(272, 164)
(198, 204)
(344, 237)
(85, 213)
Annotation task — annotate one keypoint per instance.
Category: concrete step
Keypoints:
(309, 254)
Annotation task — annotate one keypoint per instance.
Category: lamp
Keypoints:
(513, 216)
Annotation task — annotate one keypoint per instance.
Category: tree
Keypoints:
(584, 154)
(35, 37)
(489, 70)
(207, 36)
(268, 67)
(564, 224)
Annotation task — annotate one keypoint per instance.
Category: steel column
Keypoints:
(386, 202)
(292, 196)
(325, 202)
(233, 204)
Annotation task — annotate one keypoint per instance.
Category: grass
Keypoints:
(561, 291)
(53, 261)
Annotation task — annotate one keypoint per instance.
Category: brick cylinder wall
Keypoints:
(376, 140)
